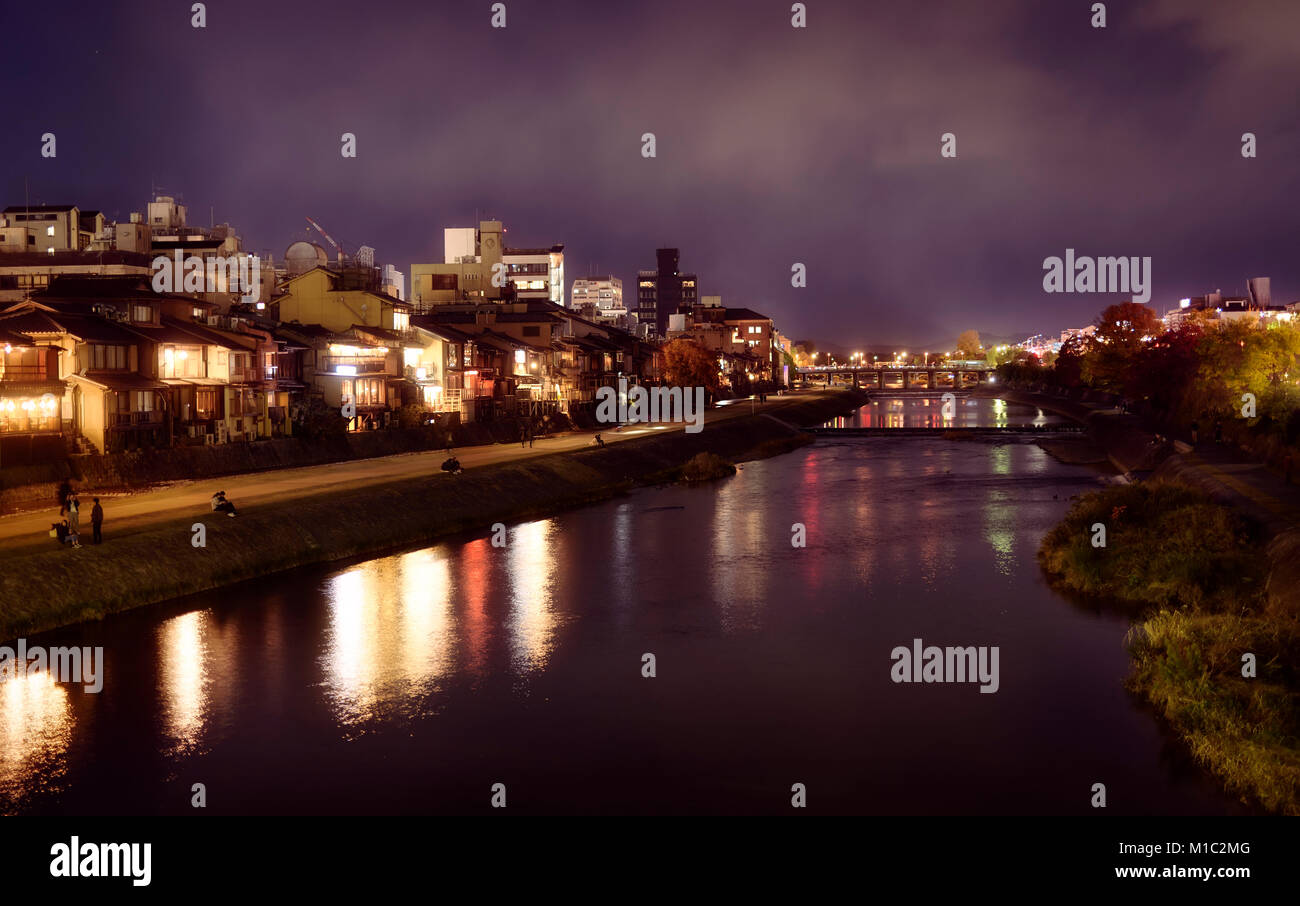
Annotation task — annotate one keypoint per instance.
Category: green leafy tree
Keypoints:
(969, 346)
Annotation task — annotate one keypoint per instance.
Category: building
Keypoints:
(349, 367)
(40, 243)
(664, 291)
(22, 274)
(392, 282)
(353, 339)
(48, 228)
(537, 273)
(31, 399)
(1259, 292)
(108, 401)
(339, 298)
(469, 265)
(155, 369)
(462, 276)
(747, 343)
(600, 299)
(219, 247)
(1077, 333)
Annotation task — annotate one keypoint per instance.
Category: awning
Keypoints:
(17, 389)
(127, 380)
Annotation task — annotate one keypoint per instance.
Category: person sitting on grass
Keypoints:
(63, 532)
(221, 505)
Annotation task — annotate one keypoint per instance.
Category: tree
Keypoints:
(315, 420)
(969, 346)
(1167, 370)
(1123, 331)
(1068, 368)
(688, 364)
(1126, 324)
(1000, 355)
(804, 352)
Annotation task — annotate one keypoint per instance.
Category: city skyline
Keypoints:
(792, 156)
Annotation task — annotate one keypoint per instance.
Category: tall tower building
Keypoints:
(1259, 293)
(664, 291)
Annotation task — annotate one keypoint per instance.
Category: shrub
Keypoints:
(1166, 545)
(706, 467)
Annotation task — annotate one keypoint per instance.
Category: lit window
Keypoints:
(49, 231)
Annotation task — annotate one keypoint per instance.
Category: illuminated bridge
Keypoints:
(950, 376)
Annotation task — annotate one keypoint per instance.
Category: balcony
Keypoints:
(136, 419)
(25, 373)
(362, 366)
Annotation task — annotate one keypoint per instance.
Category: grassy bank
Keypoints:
(54, 587)
(1197, 571)
(1166, 545)
(1189, 665)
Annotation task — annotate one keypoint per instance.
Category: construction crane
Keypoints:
(338, 248)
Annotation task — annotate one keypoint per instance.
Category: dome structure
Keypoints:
(302, 256)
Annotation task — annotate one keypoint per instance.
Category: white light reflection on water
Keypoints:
(184, 678)
(36, 728)
(391, 638)
(532, 621)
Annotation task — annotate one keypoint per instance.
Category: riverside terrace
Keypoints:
(908, 377)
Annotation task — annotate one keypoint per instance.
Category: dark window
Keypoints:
(532, 330)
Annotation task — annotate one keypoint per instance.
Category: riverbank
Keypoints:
(1207, 551)
(1216, 648)
(56, 587)
(35, 486)
(1120, 438)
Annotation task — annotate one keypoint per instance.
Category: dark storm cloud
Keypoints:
(775, 145)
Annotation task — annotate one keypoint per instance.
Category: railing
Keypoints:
(362, 367)
(10, 424)
(25, 373)
(449, 401)
(136, 419)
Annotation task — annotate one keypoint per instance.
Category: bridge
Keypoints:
(934, 430)
(951, 376)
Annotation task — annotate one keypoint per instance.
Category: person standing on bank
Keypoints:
(97, 522)
(74, 520)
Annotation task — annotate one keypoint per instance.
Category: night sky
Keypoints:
(775, 144)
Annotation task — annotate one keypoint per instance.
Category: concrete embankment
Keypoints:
(58, 587)
(1129, 447)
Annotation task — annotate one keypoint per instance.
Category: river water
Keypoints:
(412, 683)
